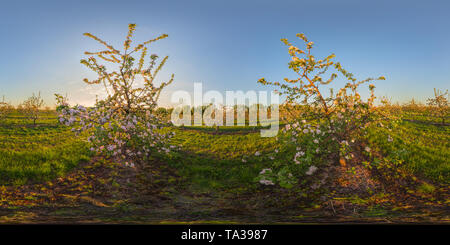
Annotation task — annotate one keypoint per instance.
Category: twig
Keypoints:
(334, 211)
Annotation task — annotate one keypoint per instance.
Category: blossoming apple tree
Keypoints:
(122, 125)
(32, 106)
(325, 128)
(5, 109)
(439, 104)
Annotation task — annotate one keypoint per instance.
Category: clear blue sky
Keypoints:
(227, 45)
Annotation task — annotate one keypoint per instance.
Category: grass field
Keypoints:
(31, 153)
(424, 148)
(205, 178)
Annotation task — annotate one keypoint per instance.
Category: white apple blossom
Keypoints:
(266, 182)
(265, 171)
(312, 169)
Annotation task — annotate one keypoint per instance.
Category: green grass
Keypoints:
(215, 161)
(424, 148)
(37, 153)
(422, 115)
(209, 160)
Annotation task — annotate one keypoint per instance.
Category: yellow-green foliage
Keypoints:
(426, 188)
